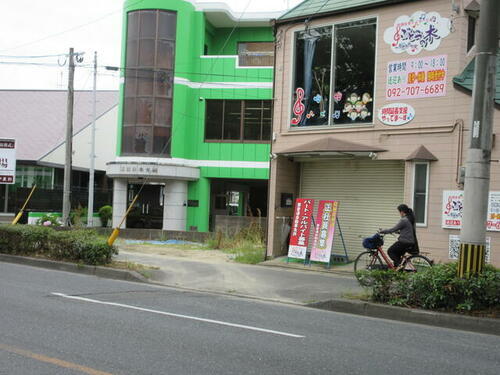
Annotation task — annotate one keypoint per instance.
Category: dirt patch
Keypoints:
(194, 252)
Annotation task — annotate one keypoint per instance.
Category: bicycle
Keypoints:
(374, 258)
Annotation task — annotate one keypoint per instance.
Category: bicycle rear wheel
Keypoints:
(365, 263)
(417, 263)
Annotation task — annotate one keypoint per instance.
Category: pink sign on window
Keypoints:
(416, 78)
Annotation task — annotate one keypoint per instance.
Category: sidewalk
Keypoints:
(215, 272)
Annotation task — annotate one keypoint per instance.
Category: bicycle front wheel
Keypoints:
(417, 263)
(365, 263)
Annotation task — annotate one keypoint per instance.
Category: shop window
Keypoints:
(149, 78)
(256, 54)
(334, 75)
(238, 120)
(27, 176)
(420, 192)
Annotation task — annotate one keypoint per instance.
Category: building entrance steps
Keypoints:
(214, 271)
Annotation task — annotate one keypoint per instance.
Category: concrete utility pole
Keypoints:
(69, 141)
(477, 172)
(90, 205)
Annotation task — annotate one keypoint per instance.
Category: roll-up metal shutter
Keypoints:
(368, 191)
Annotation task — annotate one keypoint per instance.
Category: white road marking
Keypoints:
(178, 315)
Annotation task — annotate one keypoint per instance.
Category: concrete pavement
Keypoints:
(293, 284)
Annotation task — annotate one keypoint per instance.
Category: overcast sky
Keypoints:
(50, 27)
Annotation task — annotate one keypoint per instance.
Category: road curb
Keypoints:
(306, 269)
(104, 272)
(427, 317)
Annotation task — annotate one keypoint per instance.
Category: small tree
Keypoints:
(105, 214)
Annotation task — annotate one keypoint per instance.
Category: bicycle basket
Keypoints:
(373, 242)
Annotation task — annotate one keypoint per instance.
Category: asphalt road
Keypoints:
(60, 323)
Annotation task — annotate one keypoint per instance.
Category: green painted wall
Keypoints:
(193, 33)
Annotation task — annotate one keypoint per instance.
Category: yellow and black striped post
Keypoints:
(471, 260)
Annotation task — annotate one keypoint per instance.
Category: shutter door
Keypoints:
(368, 191)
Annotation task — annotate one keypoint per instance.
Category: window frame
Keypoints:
(426, 204)
(255, 66)
(293, 47)
(134, 73)
(242, 122)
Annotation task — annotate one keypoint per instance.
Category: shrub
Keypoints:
(78, 216)
(105, 214)
(48, 220)
(72, 245)
(438, 288)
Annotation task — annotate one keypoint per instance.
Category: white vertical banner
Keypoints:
(7, 161)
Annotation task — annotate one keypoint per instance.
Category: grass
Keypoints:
(246, 246)
(131, 266)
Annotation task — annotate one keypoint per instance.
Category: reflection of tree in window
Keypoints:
(147, 107)
(312, 73)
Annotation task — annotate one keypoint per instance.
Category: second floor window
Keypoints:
(256, 54)
(238, 120)
(334, 74)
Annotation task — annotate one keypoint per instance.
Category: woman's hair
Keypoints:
(408, 212)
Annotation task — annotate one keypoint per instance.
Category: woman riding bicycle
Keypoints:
(407, 241)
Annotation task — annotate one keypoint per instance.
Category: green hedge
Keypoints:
(72, 245)
(438, 288)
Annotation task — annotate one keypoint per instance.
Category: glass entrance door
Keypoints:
(148, 209)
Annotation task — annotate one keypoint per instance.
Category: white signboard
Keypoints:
(454, 247)
(419, 31)
(396, 114)
(453, 206)
(453, 201)
(7, 161)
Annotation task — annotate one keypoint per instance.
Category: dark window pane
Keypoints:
(354, 72)
(145, 82)
(133, 25)
(128, 139)
(143, 141)
(129, 111)
(166, 27)
(144, 111)
(161, 141)
(420, 192)
(132, 53)
(232, 119)
(148, 24)
(130, 84)
(163, 112)
(313, 53)
(163, 82)
(213, 124)
(165, 54)
(471, 32)
(252, 120)
(256, 54)
(146, 52)
(266, 120)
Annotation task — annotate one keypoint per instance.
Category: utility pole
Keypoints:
(477, 172)
(90, 205)
(69, 141)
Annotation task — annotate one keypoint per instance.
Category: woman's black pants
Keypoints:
(397, 250)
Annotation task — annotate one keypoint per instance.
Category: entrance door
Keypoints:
(148, 209)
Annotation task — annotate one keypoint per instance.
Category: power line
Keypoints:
(32, 57)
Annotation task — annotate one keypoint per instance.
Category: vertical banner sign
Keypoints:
(325, 230)
(7, 161)
(301, 226)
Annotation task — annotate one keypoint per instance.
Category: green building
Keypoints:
(194, 122)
